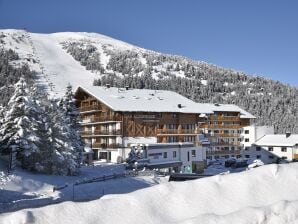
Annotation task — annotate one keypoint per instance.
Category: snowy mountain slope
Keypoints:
(75, 58)
(264, 195)
(45, 55)
(59, 67)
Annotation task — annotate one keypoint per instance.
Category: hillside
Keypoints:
(263, 195)
(61, 58)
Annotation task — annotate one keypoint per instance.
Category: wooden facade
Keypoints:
(104, 129)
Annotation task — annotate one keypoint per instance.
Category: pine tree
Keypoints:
(20, 125)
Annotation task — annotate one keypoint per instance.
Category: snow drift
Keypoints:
(266, 194)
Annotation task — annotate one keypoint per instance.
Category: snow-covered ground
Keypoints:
(25, 189)
(267, 194)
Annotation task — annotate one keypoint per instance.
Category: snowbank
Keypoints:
(266, 194)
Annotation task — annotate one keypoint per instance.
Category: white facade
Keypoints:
(272, 148)
(251, 134)
(186, 154)
(138, 140)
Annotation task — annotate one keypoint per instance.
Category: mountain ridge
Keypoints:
(91, 58)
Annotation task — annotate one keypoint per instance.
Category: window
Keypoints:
(165, 155)
(246, 148)
(284, 157)
(238, 156)
(174, 154)
(258, 148)
(187, 156)
(247, 156)
(284, 149)
(246, 140)
(193, 153)
(271, 157)
(246, 131)
(270, 149)
(259, 156)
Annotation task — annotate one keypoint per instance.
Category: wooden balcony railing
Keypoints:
(221, 126)
(224, 118)
(90, 108)
(223, 135)
(223, 152)
(176, 132)
(226, 144)
(105, 146)
(100, 119)
(100, 132)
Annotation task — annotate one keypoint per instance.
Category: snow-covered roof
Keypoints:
(148, 100)
(229, 108)
(278, 140)
(145, 100)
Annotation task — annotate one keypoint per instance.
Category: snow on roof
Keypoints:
(229, 108)
(148, 100)
(278, 140)
(145, 100)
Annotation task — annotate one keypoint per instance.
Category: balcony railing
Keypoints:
(223, 135)
(224, 118)
(221, 126)
(176, 132)
(105, 146)
(223, 152)
(100, 119)
(226, 143)
(101, 132)
(90, 108)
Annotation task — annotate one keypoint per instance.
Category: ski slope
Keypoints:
(54, 66)
(60, 67)
(266, 194)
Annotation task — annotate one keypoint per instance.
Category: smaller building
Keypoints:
(273, 148)
(183, 156)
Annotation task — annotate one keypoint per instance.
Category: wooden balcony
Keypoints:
(90, 108)
(105, 146)
(221, 126)
(100, 132)
(223, 118)
(176, 132)
(223, 135)
(226, 144)
(101, 119)
(223, 152)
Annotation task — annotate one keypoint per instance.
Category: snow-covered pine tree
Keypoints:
(20, 124)
(71, 118)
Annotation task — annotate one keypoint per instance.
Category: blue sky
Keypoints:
(255, 36)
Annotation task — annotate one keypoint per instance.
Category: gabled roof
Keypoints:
(278, 140)
(147, 100)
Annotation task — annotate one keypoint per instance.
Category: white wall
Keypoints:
(265, 153)
(255, 133)
(138, 140)
(181, 155)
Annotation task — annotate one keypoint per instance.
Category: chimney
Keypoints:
(126, 87)
(108, 85)
(288, 134)
(179, 105)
